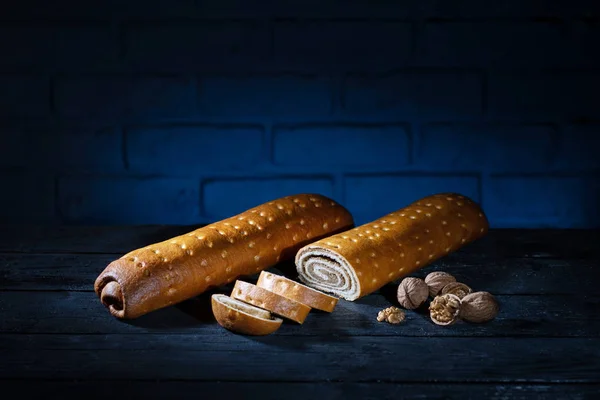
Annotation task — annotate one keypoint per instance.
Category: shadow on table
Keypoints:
(198, 311)
(187, 314)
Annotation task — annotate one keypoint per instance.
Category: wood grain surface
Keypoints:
(58, 340)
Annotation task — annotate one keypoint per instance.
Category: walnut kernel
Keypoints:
(412, 293)
(437, 280)
(392, 315)
(479, 307)
(445, 309)
(457, 288)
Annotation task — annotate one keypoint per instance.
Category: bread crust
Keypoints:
(168, 272)
(273, 302)
(296, 291)
(241, 321)
(364, 259)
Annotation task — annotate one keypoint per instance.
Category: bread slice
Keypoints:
(241, 317)
(270, 301)
(296, 291)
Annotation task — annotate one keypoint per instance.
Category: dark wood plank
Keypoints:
(81, 312)
(99, 389)
(505, 276)
(547, 243)
(301, 359)
(51, 271)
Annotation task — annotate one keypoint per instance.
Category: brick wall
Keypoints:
(184, 111)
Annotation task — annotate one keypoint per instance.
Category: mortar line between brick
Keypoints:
(335, 95)
(414, 130)
(119, 27)
(201, 209)
(56, 208)
(269, 143)
(483, 176)
(271, 38)
(51, 89)
(339, 188)
(414, 31)
(484, 92)
(124, 157)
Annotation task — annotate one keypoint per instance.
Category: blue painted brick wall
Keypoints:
(188, 111)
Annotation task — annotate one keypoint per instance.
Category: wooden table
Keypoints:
(57, 339)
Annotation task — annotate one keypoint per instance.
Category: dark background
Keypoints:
(185, 112)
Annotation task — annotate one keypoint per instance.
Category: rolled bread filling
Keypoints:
(328, 271)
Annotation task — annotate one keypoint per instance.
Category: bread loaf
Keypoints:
(270, 301)
(240, 317)
(296, 291)
(177, 269)
(359, 261)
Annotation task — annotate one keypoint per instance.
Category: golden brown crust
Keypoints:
(296, 291)
(248, 320)
(177, 269)
(362, 260)
(270, 301)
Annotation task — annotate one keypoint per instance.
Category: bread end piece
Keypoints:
(239, 317)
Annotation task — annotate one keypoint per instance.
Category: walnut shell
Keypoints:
(479, 307)
(445, 309)
(437, 280)
(457, 288)
(412, 293)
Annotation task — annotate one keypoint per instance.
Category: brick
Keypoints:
(124, 96)
(107, 200)
(579, 148)
(27, 199)
(65, 46)
(193, 149)
(206, 46)
(261, 96)
(342, 45)
(24, 96)
(504, 44)
(477, 147)
(411, 94)
(225, 198)
(61, 148)
(549, 96)
(355, 145)
(369, 197)
(543, 201)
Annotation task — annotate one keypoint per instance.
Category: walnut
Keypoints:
(412, 293)
(444, 309)
(479, 307)
(457, 288)
(392, 315)
(437, 280)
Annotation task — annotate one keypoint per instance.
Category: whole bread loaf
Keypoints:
(359, 261)
(177, 269)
